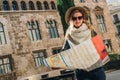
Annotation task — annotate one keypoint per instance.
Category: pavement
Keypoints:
(113, 74)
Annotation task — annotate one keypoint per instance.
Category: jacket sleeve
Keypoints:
(65, 46)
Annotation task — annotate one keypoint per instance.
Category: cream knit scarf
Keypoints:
(78, 35)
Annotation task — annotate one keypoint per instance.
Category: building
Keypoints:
(115, 13)
(100, 18)
(30, 30)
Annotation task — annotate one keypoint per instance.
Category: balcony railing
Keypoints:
(8, 76)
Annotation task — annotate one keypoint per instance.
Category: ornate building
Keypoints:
(115, 13)
(100, 18)
(30, 30)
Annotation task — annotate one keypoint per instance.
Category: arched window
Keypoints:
(31, 5)
(53, 5)
(14, 5)
(39, 6)
(100, 19)
(52, 28)
(33, 28)
(23, 5)
(6, 5)
(2, 34)
(46, 6)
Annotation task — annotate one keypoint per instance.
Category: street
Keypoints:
(114, 75)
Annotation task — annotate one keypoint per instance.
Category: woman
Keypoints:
(78, 31)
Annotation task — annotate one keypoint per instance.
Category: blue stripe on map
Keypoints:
(63, 59)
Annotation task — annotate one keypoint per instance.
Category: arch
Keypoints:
(53, 5)
(46, 6)
(86, 8)
(23, 5)
(39, 6)
(14, 5)
(6, 5)
(97, 8)
(31, 5)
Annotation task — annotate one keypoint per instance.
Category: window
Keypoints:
(39, 56)
(52, 28)
(101, 23)
(46, 6)
(116, 19)
(55, 51)
(53, 5)
(118, 29)
(23, 5)
(2, 35)
(6, 5)
(31, 5)
(82, 1)
(39, 6)
(33, 28)
(95, 0)
(5, 65)
(107, 42)
(44, 76)
(14, 5)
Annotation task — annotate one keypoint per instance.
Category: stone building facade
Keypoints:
(30, 30)
(115, 13)
(100, 18)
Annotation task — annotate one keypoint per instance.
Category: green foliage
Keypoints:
(62, 6)
(114, 57)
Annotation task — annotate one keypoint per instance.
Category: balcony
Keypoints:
(8, 76)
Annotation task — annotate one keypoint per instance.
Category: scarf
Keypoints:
(77, 35)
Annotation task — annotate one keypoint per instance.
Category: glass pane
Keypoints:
(39, 60)
(56, 32)
(1, 61)
(8, 67)
(38, 34)
(34, 26)
(49, 31)
(36, 61)
(6, 60)
(41, 54)
(2, 38)
(1, 28)
(30, 33)
(34, 34)
(29, 25)
(2, 70)
(35, 55)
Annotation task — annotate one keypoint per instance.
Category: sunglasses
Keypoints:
(75, 18)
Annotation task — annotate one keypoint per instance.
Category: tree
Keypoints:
(62, 6)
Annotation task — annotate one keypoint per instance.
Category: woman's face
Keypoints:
(77, 19)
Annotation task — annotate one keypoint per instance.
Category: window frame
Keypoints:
(5, 65)
(2, 32)
(39, 59)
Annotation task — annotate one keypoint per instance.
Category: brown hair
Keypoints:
(84, 18)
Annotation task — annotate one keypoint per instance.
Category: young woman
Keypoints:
(78, 31)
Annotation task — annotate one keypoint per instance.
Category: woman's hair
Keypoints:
(84, 20)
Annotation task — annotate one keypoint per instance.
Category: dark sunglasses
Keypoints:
(75, 18)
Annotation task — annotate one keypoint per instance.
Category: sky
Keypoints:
(113, 1)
